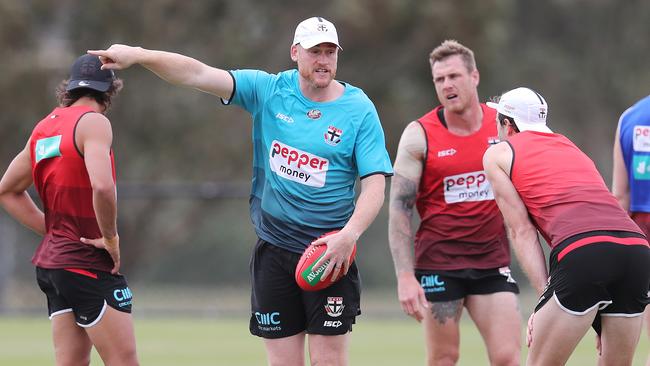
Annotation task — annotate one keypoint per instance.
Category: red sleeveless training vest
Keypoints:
(563, 191)
(63, 185)
(461, 226)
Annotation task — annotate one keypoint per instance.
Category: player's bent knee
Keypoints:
(124, 359)
(507, 356)
(506, 360)
(282, 360)
(72, 357)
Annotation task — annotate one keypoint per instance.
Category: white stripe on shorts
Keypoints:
(99, 317)
(600, 305)
(60, 312)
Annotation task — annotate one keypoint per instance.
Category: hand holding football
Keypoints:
(308, 277)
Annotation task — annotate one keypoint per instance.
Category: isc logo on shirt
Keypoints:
(467, 187)
(297, 165)
(47, 148)
(641, 140)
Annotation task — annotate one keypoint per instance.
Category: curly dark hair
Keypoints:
(67, 98)
(502, 121)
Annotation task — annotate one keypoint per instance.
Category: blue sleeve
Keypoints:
(370, 150)
(249, 89)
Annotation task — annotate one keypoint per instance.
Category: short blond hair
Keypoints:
(451, 47)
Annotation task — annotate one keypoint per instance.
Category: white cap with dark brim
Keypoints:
(314, 31)
(527, 107)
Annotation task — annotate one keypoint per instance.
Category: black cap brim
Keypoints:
(100, 86)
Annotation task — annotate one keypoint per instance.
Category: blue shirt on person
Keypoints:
(306, 155)
(634, 135)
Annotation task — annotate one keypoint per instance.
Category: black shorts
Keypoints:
(86, 293)
(598, 270)
(441, 286)
(279, 308)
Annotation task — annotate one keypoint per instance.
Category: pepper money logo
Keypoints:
(641, 141)
(297, 165)
(467, 187)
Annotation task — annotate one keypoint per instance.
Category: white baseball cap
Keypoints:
(526, 106)
(314, 31)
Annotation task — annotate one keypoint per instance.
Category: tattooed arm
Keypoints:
(403, 190)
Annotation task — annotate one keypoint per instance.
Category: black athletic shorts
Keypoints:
(441, 286)
(86, 293)
(608, 270)
(279, 308)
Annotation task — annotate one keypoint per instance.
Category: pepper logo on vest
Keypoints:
(641, 141)
(297, 165)
(467, 187)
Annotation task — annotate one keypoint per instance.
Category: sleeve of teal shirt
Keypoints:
(250, 89)
(370, 150)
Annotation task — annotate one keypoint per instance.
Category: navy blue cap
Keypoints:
(87, 72)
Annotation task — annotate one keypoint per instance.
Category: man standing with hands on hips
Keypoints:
(69, 160)
(312, 137)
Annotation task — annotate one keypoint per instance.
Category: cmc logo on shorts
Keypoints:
(641, 140)
(123, 296)
(267, 318)
(432, 283)
(297, 165)
(268, 322)
(467, 187)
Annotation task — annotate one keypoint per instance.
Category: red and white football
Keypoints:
(308, 277)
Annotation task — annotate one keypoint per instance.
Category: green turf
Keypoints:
(195, 342)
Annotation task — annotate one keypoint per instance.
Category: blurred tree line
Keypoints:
(588, 58)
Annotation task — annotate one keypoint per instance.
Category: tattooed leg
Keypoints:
(442, 332)
(443, 311)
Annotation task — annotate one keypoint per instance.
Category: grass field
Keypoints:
(25, 341)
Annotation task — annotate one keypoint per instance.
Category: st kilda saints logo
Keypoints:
(334, 306)
(333, 136)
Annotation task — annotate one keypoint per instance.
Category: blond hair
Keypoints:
(450, 48)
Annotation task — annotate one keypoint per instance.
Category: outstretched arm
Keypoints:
(171, 67)
(13, 193)
(523, 235)
(403, 191)
(620, 184)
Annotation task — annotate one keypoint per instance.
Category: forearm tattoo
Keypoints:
(403, 195)
(402, 200)
(442, 311)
